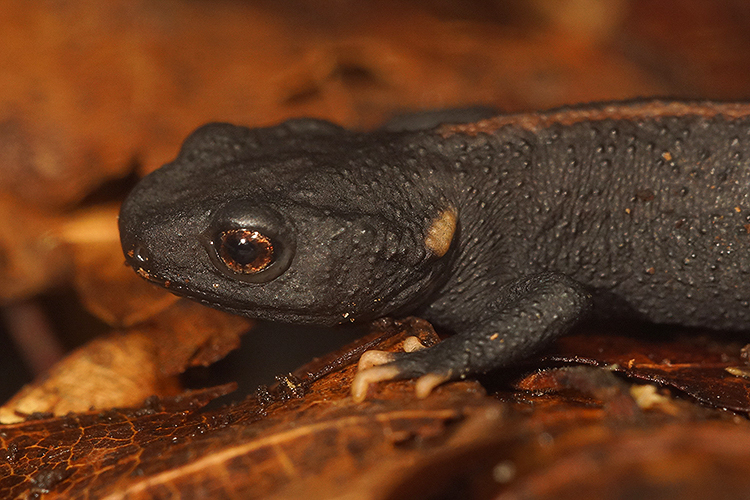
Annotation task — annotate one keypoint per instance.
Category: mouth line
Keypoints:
(236, 306)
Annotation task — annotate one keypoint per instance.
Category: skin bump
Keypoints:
(440, 234)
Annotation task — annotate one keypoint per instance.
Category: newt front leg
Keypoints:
(530, 313)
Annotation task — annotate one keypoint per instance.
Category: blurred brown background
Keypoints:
(95, 93)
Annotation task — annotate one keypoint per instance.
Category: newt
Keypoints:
(505, 230)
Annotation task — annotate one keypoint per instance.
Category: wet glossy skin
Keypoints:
(504, 231)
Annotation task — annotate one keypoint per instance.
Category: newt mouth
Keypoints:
(239, 307)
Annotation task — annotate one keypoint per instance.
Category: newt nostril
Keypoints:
(138, 256)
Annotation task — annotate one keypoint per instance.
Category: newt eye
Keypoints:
(249, 243)
(245, 251)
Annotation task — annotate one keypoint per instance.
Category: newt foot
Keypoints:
(378, 366)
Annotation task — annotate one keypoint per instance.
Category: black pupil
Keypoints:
(245, 251)
(242, 249)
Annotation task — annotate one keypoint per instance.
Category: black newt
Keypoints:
(505, 231)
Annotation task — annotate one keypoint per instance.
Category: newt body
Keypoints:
(505, 231)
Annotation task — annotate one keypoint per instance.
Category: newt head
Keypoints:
(288, 224)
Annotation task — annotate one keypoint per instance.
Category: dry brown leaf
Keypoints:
(118, 370)
(123, 369)
(694, 364)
